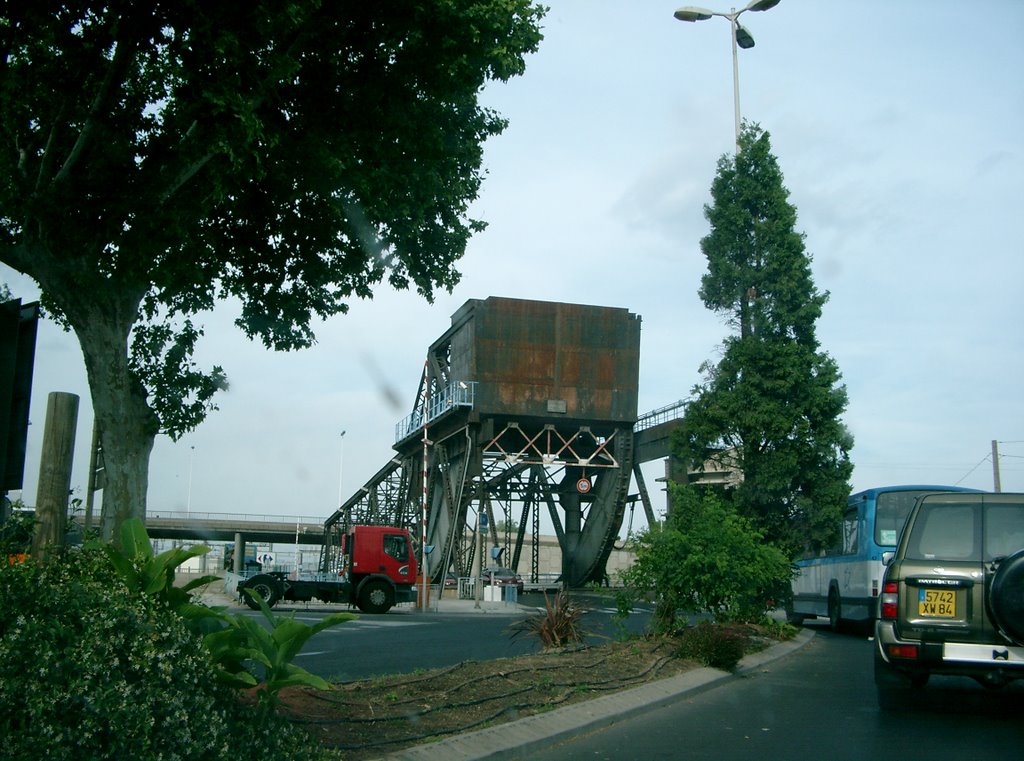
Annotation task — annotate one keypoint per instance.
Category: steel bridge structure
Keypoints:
(523, 408)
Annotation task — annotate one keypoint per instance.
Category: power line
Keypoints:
(986, 458)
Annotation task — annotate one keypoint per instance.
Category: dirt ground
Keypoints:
(370, 718)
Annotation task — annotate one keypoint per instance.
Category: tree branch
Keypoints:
(184, 176)
(124, 51)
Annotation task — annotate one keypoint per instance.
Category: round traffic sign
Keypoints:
(583, 485)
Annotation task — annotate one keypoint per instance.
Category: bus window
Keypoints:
(850, 526)
(891, 511)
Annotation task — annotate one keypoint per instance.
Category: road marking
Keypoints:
(356, 623)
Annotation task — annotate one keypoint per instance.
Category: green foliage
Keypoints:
(273, 650)
(290, 156)
(624, 606)
(89, 669)
(706, 559)
(558, 626)
(16, 534)
(125, 665)
(771, 408)
(715, 645)
(775, 629)
(232, 641)
(146, 573)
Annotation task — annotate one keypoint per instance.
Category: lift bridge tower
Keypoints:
(523, 407)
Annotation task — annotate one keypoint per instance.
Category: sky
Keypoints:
(898, 128)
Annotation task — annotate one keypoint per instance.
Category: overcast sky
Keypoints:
(899, 127)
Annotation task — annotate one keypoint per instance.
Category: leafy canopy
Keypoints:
(286, 156)
(161, 155)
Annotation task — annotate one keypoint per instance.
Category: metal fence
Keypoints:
(673, 411)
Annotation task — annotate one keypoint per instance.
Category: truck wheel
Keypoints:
(268, 588)
(375, 597)
(1006, 597)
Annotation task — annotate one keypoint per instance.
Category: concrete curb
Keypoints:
(518, 738)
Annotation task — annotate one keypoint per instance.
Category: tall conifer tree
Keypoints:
(771, 408)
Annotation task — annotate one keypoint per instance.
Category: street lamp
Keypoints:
(341, 466)
(191, 460)
(740, 37)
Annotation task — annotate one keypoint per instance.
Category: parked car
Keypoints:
(451, 581)
(952, 598)
(503, 577)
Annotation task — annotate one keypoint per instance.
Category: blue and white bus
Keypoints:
(843, 582)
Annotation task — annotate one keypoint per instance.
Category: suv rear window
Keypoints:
(1004, 530)
(947, 532)
(954, 531)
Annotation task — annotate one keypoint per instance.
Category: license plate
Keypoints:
(936, 603)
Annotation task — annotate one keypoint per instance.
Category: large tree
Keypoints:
(771, 408)
(160, 155)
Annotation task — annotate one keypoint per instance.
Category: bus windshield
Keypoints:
(891, 511)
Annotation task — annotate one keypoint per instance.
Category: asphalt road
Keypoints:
(405, 640)
(818, 702)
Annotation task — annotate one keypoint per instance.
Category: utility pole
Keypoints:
(996, 486)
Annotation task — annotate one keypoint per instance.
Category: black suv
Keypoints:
(952, 598)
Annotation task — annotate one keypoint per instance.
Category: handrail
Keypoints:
(455, 394)
(192, 515)
(673, 411)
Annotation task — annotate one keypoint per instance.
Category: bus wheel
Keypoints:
(268, 588)
(835, 609)
(792, 617)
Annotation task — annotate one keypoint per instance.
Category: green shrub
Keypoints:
(707, 559)
(89, 670)
(16, 534)
(716, 645)
(559, 625)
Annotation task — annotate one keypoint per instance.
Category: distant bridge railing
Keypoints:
(205, 517)
(175, 524)
(673, 411)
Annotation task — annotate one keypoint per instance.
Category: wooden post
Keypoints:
(55, 464)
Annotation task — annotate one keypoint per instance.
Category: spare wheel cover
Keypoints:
(1007, 597)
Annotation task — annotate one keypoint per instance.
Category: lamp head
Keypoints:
(743, 37)
(694, 14)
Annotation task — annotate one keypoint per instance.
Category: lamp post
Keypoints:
(191, 460)
(740, 37)
(341, 466)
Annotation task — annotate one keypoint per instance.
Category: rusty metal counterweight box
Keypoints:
(547, 359)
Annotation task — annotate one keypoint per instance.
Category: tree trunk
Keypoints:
(128, 426)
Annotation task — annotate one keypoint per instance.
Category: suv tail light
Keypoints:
(890, 600)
